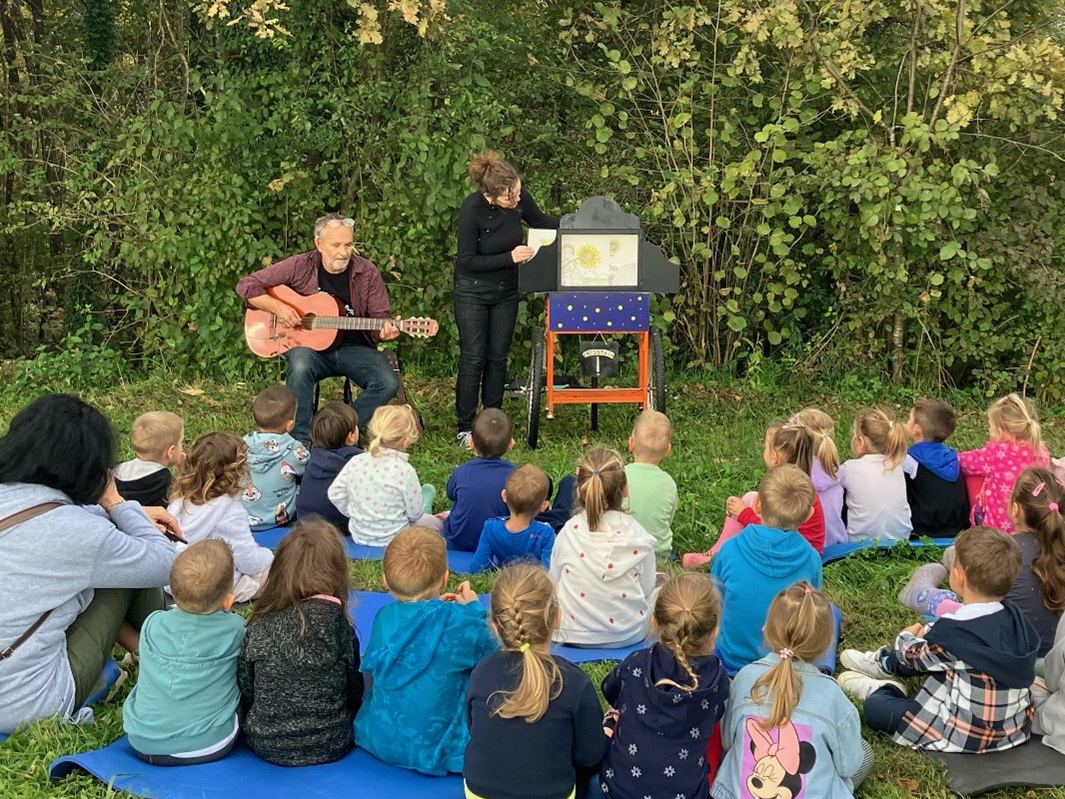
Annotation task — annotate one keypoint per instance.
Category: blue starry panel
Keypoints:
(600, 311)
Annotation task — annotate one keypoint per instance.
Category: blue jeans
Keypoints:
(366, 367)
(561, 509)
(485, 312)
(885, 708)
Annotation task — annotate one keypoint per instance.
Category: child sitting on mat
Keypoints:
(979, 662)
(157, 438)
(379, 490)
(1036, 506)
(789, 729)
(754, 566)
(334, 442)
(299, 667)
(276, 460)
(1015, 443)
(206, 505)
(519, 535)
(535, 721)
(935, 489)
(1049, 718)
(824, 472)
(667, 698)
(873, 480)
(419, 658)
(475, 486)
(785, 442)
(183, 709)
(603, 561)
(652, 492)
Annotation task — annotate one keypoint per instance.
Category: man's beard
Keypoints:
(337, 265)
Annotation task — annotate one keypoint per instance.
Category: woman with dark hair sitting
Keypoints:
(77, 562)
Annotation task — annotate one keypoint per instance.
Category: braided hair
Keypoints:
(686, 616)
(525, 613)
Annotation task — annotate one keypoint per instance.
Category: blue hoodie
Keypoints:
(186, 694)
(322, 468)
(750, 570)
(419, 660)
(938, 458)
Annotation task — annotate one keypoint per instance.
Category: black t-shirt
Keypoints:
(340, 287)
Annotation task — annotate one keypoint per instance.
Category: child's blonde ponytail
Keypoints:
(798, 626)
(822, 426)
(886, 436)
(392, 426)
(1017, 417)
(600, 484)
(524, 611)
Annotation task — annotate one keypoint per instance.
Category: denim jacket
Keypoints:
(817, 750)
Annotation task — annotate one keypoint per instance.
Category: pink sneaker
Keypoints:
(693, 560)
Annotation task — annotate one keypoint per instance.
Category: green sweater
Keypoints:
(653, 501)
(186, 695)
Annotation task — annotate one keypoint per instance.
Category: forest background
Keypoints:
(843, 183)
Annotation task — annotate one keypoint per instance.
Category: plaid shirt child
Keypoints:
(963, 708)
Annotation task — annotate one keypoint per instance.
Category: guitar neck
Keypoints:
(347, 323)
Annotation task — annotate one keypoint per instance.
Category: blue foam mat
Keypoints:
(359, 775)
(838, 551)
(457, 562)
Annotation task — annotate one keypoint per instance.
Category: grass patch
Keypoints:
(717, 451)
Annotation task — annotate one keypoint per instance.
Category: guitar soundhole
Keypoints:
(308, 321)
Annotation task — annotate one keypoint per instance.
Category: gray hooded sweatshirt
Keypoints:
(53, 562)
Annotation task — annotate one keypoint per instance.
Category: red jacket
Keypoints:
(813, 529)
(369, 298)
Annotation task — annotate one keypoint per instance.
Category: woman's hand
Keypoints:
(165, 522)
(110, 497)
(521, 254)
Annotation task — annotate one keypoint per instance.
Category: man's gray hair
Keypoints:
(322, 221)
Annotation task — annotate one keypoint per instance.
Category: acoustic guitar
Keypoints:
(323, 323)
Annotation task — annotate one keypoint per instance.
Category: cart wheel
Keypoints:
(534, 389)
(656, 389)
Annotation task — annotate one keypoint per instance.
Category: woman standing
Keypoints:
(77, 574)
(486, 280)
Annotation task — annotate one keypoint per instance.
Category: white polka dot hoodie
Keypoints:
(605, 579)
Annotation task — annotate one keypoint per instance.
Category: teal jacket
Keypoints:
(186, 695)
(419, 660)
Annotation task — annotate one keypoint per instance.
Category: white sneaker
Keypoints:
(464, 439)
(860, 685)
(866, 663)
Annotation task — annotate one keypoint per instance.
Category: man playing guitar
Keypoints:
(332, 267)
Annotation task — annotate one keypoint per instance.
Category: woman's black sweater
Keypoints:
(487, 234)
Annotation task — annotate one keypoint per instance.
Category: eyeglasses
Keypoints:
(346, 222)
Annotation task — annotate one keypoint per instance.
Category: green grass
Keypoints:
(716, 452)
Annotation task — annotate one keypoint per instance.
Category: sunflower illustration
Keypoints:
(588, 257)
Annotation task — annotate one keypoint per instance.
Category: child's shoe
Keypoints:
(867, 663)
(860, 685)
(693, 560)
(924, 582)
